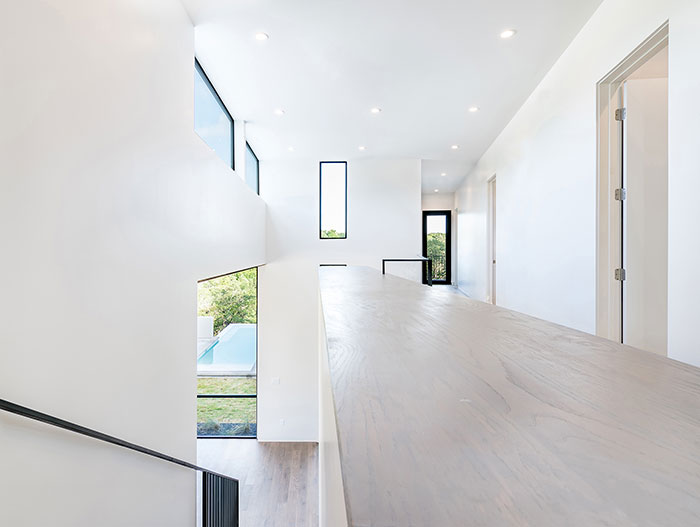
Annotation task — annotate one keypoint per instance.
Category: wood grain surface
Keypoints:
(452, 412)
(278, 481)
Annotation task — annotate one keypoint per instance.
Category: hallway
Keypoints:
(199, 199)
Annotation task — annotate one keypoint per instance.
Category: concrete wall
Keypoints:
(384, 220)
(545, 161)
(111, 208)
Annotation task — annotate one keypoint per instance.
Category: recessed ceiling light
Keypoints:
(474, 109)
(361, 148)
(376, 109)
(508, 33)
(435, 190)
(291, 149)
(279, 111)
(261, 36)
(455, 147)
(443, 174)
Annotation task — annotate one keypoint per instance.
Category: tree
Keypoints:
(332, 233)
(230, 299)
(437, 246)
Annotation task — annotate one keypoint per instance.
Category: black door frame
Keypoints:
(448, 243)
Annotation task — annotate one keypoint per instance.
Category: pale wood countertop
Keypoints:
(452, 412)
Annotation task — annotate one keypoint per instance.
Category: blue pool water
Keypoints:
(234, 351)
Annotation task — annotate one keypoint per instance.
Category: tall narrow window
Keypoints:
(252, 169)
(334, 200)
(227, 355)
(212, 122)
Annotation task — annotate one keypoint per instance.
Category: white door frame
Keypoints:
(608, 243)
(491, 185)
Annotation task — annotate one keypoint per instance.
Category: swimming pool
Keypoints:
(233, 352)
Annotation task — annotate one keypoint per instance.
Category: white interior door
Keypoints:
(645, 214)
(492, 239)
(632, 233)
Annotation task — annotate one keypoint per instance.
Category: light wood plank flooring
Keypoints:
(452, 412)
(279, 481)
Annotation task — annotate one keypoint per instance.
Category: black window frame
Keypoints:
(198, 67)
(448, 245)
(257, 160)
(257, 366)
(320, 199)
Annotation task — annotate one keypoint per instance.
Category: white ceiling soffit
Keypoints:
(446, 176)
(328, 62)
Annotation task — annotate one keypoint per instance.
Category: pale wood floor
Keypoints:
(278, 481)
(452, 412)
(448, 289)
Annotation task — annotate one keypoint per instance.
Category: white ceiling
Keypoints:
(328, 62)
(432, 178)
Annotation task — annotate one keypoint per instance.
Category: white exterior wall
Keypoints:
(383, 221)
(545, 161)
(111, 208)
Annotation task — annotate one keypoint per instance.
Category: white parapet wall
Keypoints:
(332, 510)
(205, 333)
(205, 327)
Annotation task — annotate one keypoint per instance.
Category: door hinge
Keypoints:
(620, 274)
(620, 194)
(621, 114)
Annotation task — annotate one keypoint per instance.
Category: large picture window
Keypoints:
(212, 121)
(227, 355)
(333, 217)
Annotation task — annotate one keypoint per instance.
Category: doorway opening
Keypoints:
(437, 245)
(491, 298)
(632, 256)
(227, 353)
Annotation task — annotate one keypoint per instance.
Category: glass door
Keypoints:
(437, 244)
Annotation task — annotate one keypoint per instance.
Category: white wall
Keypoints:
(545, 161)
(111, 208)
(438, 201)
(331, 494)
(445, 201)
(384, 220)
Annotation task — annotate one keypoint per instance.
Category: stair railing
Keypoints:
(219, 492)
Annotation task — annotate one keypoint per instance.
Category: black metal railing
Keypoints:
(428, 264)
(219, 492)
(219, 500)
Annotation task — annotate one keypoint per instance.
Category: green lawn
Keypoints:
(213, 413)
(233, 385)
